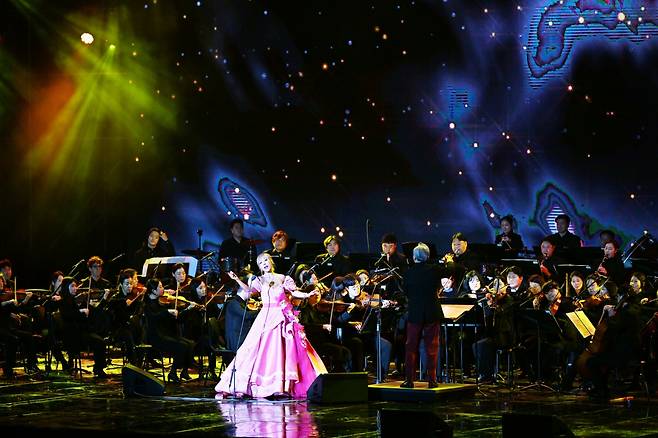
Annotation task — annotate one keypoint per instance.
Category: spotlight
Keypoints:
(87, 38)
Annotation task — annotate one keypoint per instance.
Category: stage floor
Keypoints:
(98, 409)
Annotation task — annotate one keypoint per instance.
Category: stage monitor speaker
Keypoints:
(398, 422)
(339, 388)
(136, 381)
(535, 425)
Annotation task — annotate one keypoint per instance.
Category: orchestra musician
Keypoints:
(157, 244)
(13, 335)
(123, 307)
(200, 322)
(99, 290)
(238, 246)
(238, 319)
(549, 260)
(612, 266)
(424, 313)
(564, 240)
(499, 309)
(281, 253)
(319, 324)
(77, 329)
(6, 269)
(332, 262)
(160, 333)
(516, 285)
(508, 239)
(621, 325)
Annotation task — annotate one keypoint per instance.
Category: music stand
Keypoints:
(453, 309)
(539, 318)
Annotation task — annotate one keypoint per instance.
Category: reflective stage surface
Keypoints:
(98, 408)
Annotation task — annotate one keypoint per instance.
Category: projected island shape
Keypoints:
(563, 23)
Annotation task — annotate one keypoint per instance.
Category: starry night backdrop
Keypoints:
(423, 118)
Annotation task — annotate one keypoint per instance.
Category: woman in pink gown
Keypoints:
(275, 359)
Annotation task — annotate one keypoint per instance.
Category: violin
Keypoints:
(138, 292)
(338, 305)
(181, 302)
(19, 295)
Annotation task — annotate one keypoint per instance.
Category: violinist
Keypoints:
(12, 335)
(503, 329)
(448, 288)
(318, 327)
(200, 323)
(180, 279)
(508, 239)
(516, 286)
(391, 259)
(238, 319)
(99, 287)
(560, 342)
(346, 290)
(638, 285)
(77, 332)
(597, 297)
(160, 333)
(611, 265)
(332, 261)
(123, 306)
(533, 295)
(578, 289)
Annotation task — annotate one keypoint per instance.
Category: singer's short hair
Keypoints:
(94, 260)
(261, 256)
(152, 229)
(389, 238)
(459, 236)
(613, 243)
(5, 263)
(549, 239)
(421, 253)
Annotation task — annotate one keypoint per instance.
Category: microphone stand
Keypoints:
(232, 381)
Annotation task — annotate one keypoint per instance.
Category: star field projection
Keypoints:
(395, 111)
(412, 115)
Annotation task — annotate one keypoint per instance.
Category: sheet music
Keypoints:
(454, 311)
(582, 323)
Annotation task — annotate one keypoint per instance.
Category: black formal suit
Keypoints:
(420, 283)
(338, 265)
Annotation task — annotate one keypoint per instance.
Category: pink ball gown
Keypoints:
(275, 357)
